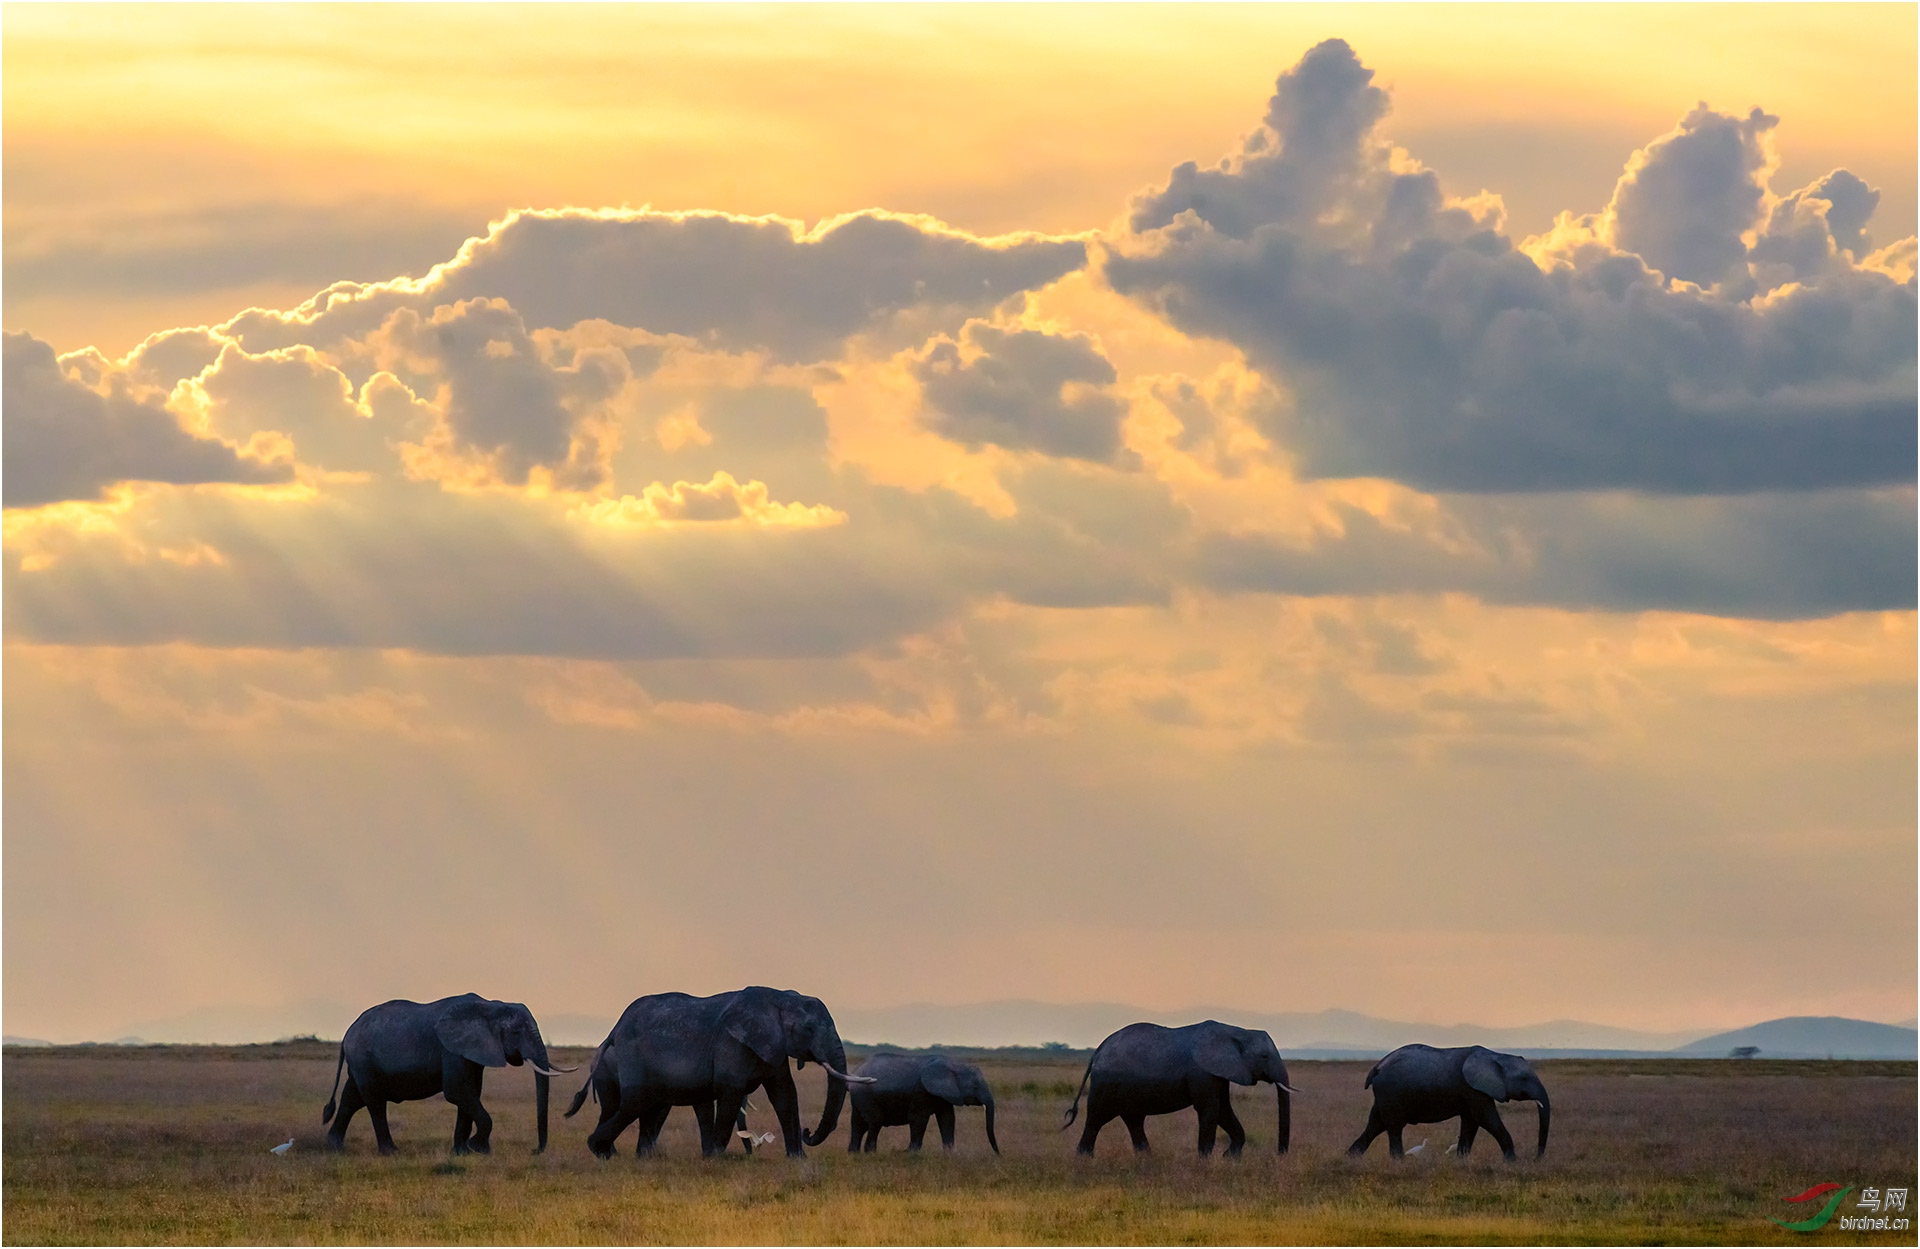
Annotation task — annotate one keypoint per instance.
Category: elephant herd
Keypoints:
(712, 1053)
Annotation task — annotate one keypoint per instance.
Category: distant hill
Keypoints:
(1814, 1036)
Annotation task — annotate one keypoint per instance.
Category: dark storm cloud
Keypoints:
(64, 441)
(1024, 390)
(733, 282)
(1422, 346)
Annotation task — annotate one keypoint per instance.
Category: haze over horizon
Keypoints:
(1290, 506)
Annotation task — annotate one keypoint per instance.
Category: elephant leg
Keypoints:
(1137, 1129)
(740, 1128)
(1100, 1112)
(647, 1133)
(785, 1100)
(601, 1139)
(350, 1103)
(917, 1126)
(726, 1107)
(710, 1142)
(377, 1115)
(873, 1137)
(1208, 1110)
(1394, 1149)
(856, 1129)
(1236, 1134)
(1468, 1130)
(943, 1115)
(1375, 1126)
(1490, 1120)
(474, 1118)
(462, 1089)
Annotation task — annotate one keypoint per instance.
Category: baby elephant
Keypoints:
(907, 1090)
(1421, 1084)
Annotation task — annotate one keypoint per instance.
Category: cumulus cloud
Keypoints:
(1688, 198)
(299, 395)
(1023, 390)
(1423, 345)
(506, 410)
(65, 441)
(721, 500)
(644, 435)
(1815, 230)
(739, 283)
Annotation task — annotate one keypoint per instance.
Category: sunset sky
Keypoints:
(1400, 509)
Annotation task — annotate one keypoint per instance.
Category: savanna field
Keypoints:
(170, 1144)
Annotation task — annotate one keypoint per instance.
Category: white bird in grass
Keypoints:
(1453, 1147)
(1417, 1148)
(765, 1138)
(281, 1149)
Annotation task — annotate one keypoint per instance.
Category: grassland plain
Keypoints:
(170, 1144)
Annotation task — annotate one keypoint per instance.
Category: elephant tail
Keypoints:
(1073, 1111)
(326, 1116)
(580, 1098)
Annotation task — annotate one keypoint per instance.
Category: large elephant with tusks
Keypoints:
(672, 1049)
(403, 1051)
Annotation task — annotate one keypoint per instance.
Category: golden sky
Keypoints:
(1399, 508)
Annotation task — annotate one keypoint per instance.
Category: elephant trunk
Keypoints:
(1283, 1130)
(836, 1061)
(988, 1103)
(541, 1067)
(540, 1082)
(1546, 1117)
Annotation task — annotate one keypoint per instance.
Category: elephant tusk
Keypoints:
(557, 1071)
(851, 1079)
(1288, 1087)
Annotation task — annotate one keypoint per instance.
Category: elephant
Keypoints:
(907, 1090)
(1146, 1069)
(402, 1051)
(672, 1049)
(1421, 1084)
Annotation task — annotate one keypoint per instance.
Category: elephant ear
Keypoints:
(758, 1030)
(938, 1079)
(1482, 1071)
(467, 1031)
(1219, 1055)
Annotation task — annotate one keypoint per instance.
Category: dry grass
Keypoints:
(170, 1145)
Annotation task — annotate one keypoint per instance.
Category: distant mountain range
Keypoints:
(1081, 1025)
